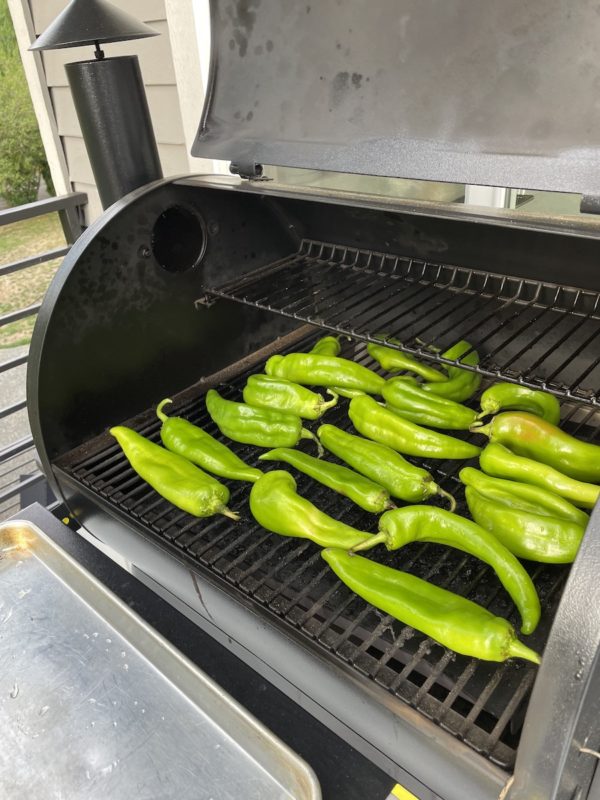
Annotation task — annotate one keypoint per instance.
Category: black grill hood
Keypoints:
(502, 94)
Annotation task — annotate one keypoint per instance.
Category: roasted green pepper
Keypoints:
(533, 437)
(362, 491)
(531, 522)
(327, 346)
(263, 391)
(174, 477)
(429, 524)
(187, 440)
(383, 426)
(503, 396)
(263, 427)
(277, 506)
(396, 360)
(383, 465)
(318, 370)
(462, 383)
(498, 461)
(408, 399)
(451, 620)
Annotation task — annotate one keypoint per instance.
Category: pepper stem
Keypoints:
(330, 403)
(449, 497)
(517, 649)
(477, 427)
(378, 538)
(479, 416)
(159, 409)
(306, 434)
(227, 512)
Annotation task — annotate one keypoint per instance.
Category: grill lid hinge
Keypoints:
(590, 204)
(248, 169)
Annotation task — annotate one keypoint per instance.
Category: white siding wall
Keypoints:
(156, 62)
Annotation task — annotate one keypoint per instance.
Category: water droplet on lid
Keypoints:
(92, 724)
(125, 667)
(95, 634)
(14, 692)
(122, 653)
(108, 641)
(135, 702)
(44, 710)
(114, 723)
(143, 710)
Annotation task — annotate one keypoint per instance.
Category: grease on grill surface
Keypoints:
(482, 703)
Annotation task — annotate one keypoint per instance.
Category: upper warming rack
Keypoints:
(537, 334)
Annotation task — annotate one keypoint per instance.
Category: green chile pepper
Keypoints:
(530, 436)
(263, 427)
(362, 491)
(383, 426)
(461, 384)
(347, 393)
(317, 370)
(451, 620)
(511, 396)
(187, 440)
(382, 465)
(429, 524)
(327, 346)
(277, 506)
(263, 391)
(411, 401)
(498, 461)
(396, 360)
(531, 522)
(174, 477)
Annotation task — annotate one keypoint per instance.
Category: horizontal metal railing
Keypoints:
(19, 456)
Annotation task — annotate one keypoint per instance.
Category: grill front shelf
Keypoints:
(482, 703)
(537, 334)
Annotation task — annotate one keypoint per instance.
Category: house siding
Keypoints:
(156, 64)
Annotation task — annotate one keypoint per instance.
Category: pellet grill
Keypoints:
(193, 282)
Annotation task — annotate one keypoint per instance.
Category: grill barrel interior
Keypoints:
(118, 332)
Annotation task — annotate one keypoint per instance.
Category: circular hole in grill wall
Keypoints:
(178, 239)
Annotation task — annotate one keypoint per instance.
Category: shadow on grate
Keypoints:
(539, 334)
(481, 703)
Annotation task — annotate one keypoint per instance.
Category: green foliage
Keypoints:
(22, 157)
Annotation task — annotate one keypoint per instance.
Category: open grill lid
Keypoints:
(502, 94)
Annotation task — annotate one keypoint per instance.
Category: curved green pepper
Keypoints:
(317, 370)
(462, 383)
(383, 465)
(429, 524)
(411, 401)
(502, 396)
(451, 620)
(531, 522)
(263, 427)
(174, 477)
(327, 346)
(277, 506)
(530, 436)
(263, 391)
(187, 440)
(498, 461)
(383, 426)
(396, 360)
(344, 481)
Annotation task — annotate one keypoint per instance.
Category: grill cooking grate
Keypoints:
(481, 703)
(539, 334)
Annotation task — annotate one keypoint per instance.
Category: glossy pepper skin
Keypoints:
(382, 465)
(430, 524)
(187, 440)
(461, 384)
(277, 506)
(532, 437)
(383, 426)
(531, 522)
(327, 346)
(451, 620)
(263, 391)
(396, 360)
(498, 461)
(263, 427)
(174, 477)
(411, 401)
(362, 491)
(504, 396)
(318, 370)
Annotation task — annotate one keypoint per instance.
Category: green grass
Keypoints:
(22, 289)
